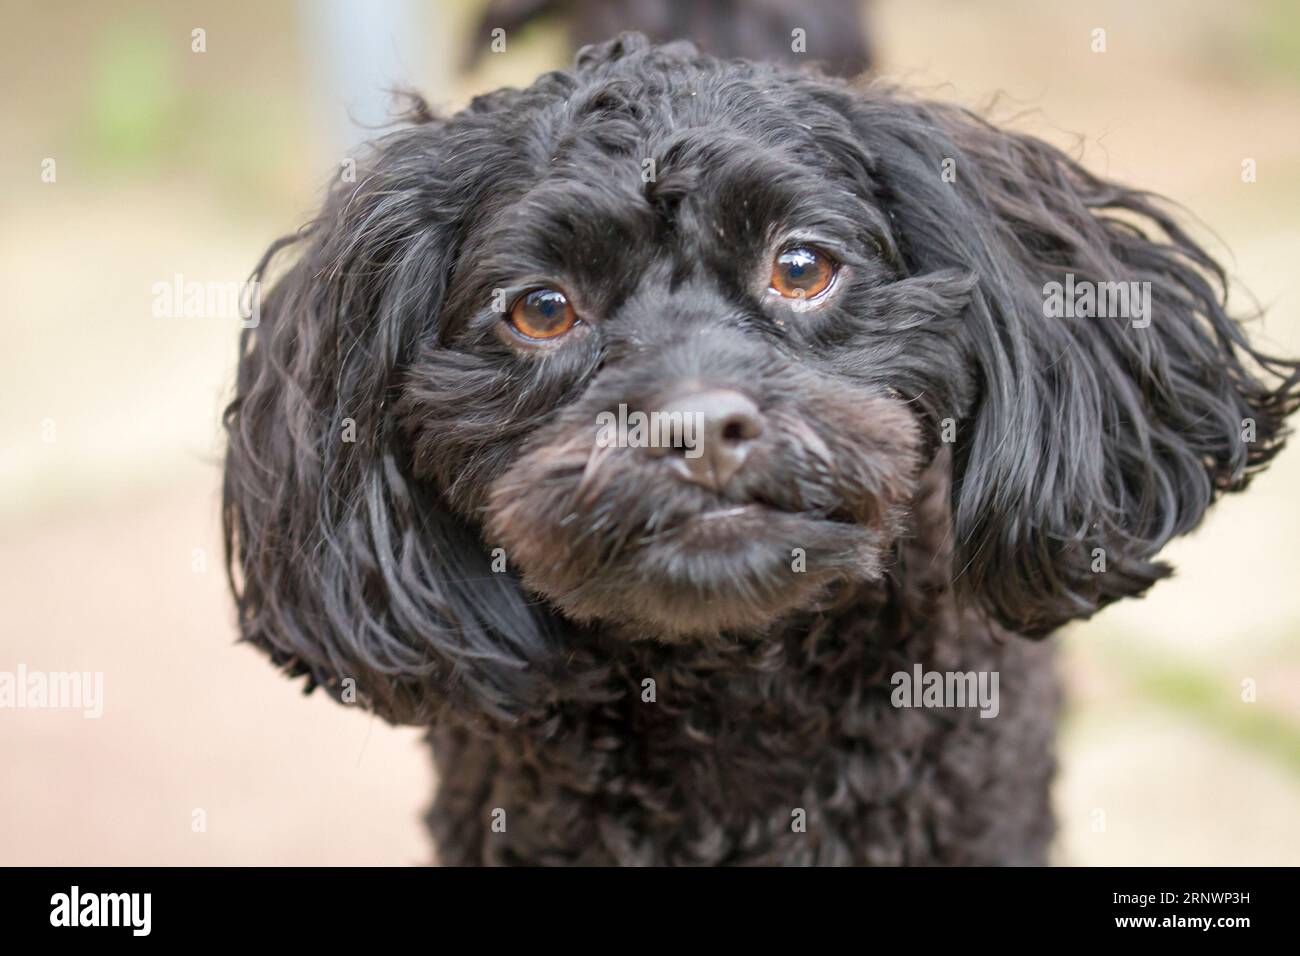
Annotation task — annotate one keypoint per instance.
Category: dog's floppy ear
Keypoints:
(1096, 438)
(343, 567)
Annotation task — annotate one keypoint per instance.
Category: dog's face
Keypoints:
(679, 253)
(674, 338)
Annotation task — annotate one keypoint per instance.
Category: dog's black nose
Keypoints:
(718, 430)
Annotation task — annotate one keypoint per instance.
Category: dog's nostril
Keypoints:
(741, 427)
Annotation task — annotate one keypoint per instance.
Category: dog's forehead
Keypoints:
(634, 112)
(662, 162)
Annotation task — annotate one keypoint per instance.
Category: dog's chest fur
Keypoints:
(780, 750)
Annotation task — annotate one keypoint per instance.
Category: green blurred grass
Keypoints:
(1203, 695)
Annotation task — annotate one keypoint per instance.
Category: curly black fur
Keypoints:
(950, 460)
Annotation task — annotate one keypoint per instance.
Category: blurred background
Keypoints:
(169, 159)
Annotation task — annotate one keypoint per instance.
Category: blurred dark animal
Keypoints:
(835, 33)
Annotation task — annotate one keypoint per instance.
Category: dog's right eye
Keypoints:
(801, 272)
(542, 314)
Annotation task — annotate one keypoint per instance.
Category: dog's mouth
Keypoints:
(611, 536)
(715, 526)
(724, 514)
(734, 567)
(755, 512)
(724, 526)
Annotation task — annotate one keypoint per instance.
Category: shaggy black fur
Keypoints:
(949, 460)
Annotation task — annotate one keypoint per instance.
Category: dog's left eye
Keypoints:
(801, 272)
(542, 314)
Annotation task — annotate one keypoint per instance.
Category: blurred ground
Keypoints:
(170, 161)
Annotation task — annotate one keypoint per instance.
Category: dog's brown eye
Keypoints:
(801, 272)
(542, 314)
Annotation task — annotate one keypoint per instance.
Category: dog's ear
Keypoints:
(343, 567)
(1095, 438)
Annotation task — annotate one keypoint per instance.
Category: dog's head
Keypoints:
(663, 343)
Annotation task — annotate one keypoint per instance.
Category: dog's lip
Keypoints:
(721, 523)
(730, 529)
(744, 513)
(735, 522)
(730, 511)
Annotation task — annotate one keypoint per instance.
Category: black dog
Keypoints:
(905, 455)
